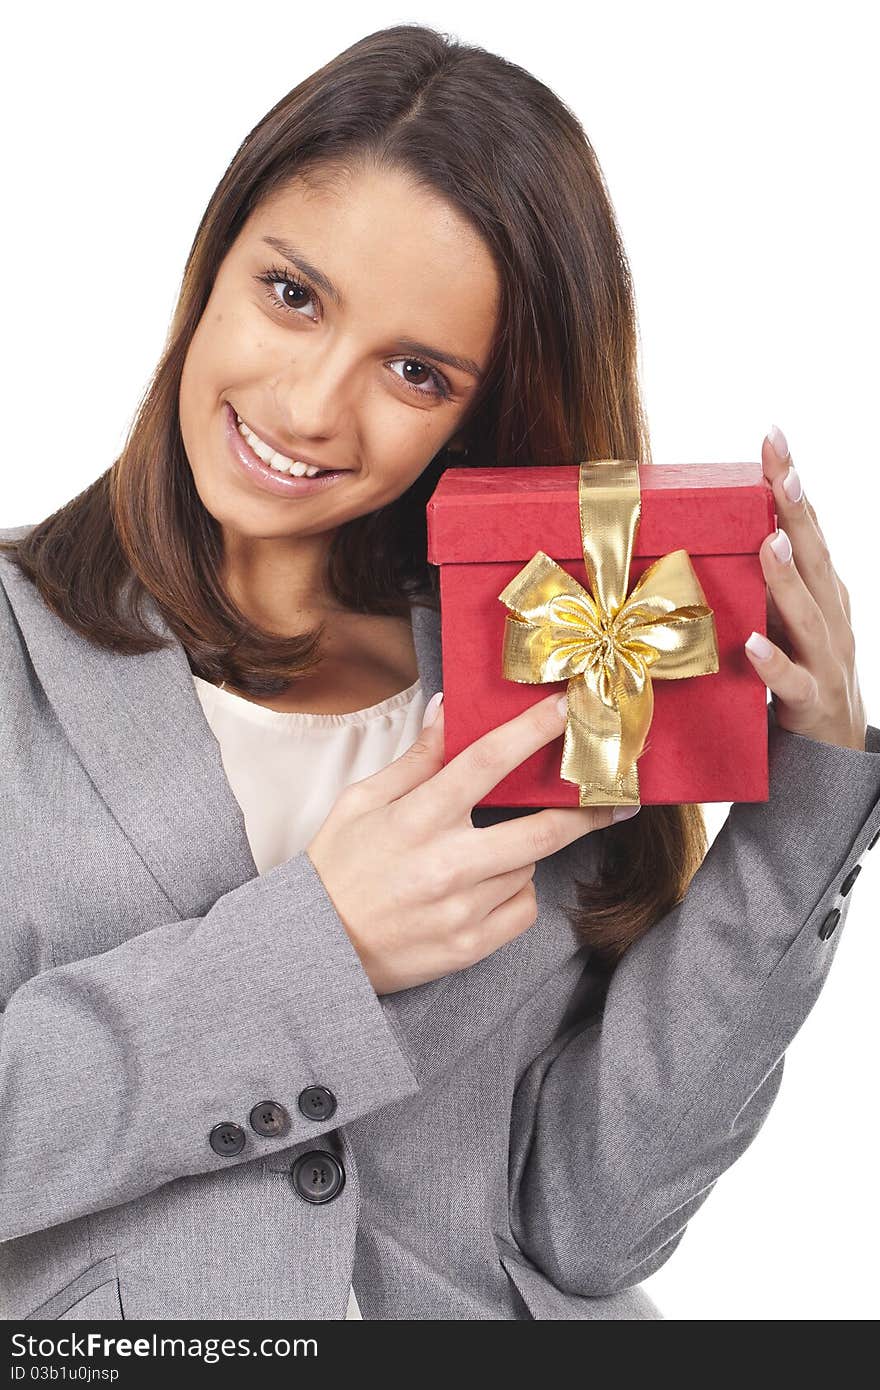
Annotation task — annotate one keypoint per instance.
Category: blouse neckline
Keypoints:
(291, 719)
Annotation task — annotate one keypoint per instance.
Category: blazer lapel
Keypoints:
(429, 649)
(138, 728)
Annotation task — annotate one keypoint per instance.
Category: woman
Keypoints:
(283, 1014)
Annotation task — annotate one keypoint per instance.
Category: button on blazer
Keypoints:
(209, 1113)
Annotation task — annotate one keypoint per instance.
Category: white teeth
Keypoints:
(279, 462)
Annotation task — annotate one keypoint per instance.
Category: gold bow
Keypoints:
(609, 647)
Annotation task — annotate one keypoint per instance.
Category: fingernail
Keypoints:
(624, 813)
(778, 442)
(562, 705)
(792, 486)
(759, 646)
(432, 709)
(781, 546)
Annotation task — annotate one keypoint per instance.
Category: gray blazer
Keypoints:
(524, 1138)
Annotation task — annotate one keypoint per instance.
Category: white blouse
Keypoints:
(286, 770)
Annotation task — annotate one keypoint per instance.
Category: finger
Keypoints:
(512, 843)
(803, 619)
(508, 920)
(455, 789)
(793, 685)
(811, 554)
(775, 626)
(841, 587)
(490, 892)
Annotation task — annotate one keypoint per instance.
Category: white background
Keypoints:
(739, 144)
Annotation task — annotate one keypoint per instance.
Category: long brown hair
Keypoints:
(562, 386)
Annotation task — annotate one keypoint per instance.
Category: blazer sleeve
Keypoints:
(621, 1128)
(114, 1069)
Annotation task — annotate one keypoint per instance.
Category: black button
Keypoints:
(875, 839)
(829, 924)
(269, 1118)
(227, 1138)
(318, 1176)
(850, 879)
(317, 1103)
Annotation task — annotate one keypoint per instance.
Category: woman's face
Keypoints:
(341, 361)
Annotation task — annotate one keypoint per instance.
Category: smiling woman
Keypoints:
(319, 380)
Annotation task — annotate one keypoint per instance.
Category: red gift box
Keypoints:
(707, 739)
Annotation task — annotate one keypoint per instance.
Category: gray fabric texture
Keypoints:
(526, 1138)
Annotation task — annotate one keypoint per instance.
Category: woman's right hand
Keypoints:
(420, 890)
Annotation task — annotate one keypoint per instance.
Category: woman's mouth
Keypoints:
(262, 475)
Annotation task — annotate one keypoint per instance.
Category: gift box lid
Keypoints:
(484, 515)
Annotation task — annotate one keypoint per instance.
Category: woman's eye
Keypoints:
(440, 386)
(288, 292)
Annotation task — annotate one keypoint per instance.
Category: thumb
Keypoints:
(433, 712)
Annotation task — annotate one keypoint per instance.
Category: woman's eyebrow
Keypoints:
(296, 258)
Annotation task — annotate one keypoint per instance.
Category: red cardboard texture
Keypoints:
(708, 737)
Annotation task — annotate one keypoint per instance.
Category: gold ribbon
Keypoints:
(609, 646)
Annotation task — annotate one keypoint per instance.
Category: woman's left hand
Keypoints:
(810, 668)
